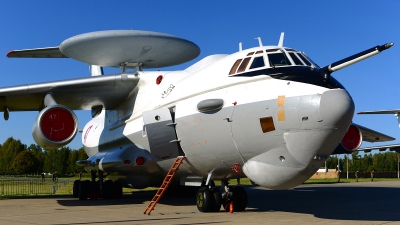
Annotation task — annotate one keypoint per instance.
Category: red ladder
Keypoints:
(167, 180)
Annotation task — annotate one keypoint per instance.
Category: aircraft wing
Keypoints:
(81, 93)
(50, 52)
(373, 136)
(395, 147)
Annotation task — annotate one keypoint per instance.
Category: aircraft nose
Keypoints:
(296, 161)
(336, 108)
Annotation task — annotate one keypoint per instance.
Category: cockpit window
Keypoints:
(304, 59)
(257, 62)
(278, 59)
(295, 59)
(235, 66)
(309, 59)
(244, 64)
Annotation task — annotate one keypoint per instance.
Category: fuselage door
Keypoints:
(160, 129)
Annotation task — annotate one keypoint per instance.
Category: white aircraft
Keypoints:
(268, 113)
(395, 147)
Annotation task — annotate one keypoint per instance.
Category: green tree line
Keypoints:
(18, 158)
(382, 162)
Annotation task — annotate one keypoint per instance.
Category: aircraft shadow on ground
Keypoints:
(330, 202)
(134, 198)
(326, 201)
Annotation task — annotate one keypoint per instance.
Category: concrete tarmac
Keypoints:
(338, 203)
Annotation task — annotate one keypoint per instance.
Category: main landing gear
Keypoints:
(210, 199)
(97, 189)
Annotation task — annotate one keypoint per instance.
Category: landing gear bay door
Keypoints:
(160, 129)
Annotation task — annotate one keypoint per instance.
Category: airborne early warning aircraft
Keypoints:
(268, 113)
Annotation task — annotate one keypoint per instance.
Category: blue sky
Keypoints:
(326, 30)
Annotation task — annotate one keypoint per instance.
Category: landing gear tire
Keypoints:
(217, 201)
(240, 199)
(107, 191)
(75, 189)
(117, 189)
(84, 189)
(204, 199)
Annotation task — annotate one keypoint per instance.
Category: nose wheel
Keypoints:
(210, 199)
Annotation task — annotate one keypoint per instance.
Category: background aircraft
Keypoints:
(392, 147)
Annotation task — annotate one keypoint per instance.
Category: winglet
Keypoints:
(280, 44)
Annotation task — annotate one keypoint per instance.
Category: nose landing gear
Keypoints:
(209, 199)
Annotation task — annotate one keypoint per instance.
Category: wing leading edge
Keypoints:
(373, 136)
(77, 94)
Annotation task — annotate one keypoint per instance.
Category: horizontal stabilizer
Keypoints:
(50, 52)
(390, 111)
(395, 112)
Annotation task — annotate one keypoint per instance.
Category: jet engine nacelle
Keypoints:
(352, 139)
(54, 127)
(350, 142)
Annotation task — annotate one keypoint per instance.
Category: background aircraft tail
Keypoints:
(396, 112)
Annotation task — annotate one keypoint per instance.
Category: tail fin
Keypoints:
(396, 113)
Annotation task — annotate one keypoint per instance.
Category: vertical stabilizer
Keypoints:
(398, 118)
(280, 44)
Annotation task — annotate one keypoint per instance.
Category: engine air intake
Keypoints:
(55, 126)
(352, 139)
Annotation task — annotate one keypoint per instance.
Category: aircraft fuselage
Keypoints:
(275, 124)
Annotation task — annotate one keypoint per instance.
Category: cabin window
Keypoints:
(296, 60)
(278, 59)
(257, 62)
(267, 124)
(244, 64)
(235, 66)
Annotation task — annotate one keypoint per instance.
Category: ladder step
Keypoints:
(167, 180)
